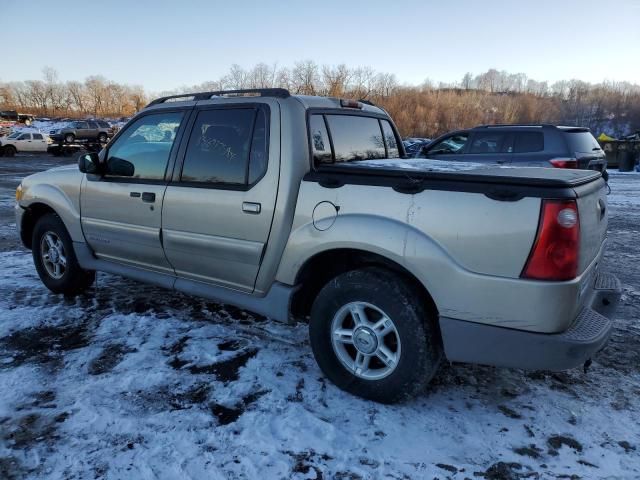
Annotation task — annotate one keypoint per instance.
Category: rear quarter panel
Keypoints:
(466, 249)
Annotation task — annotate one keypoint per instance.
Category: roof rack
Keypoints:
(516, 125)
(192, 97)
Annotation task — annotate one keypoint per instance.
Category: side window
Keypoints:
(142, 151)
(37, 136)
(259, 159)
(92, 124)
(219, 147)
(453, 144)
(25, 136)
(528, 142)
(102, 124)
(489, 142)
(355, 137)
(390, 140)
(319, 137)
(81, 125)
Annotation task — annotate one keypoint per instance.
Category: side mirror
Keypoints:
(120, 168)
(89, 163)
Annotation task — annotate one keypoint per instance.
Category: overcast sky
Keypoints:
(164, 44)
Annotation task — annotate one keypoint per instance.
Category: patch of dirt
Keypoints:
(28, 430)
(227, 415)
(509, 412)
(556, 442)
(225, 370)
(508, 471)
(530, 451)
(110, 356)
(43, 344)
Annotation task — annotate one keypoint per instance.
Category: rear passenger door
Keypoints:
(529, 150)
(39, 143)
(491, 146)
(217, 211)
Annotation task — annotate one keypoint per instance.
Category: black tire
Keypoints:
(421, 350)
(102, 138)
(9, 151)
(74, 279)
(69, 138)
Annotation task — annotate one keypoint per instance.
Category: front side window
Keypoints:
(221, 144)
(489, 142)
(453, 144)
(81, 125)
(142, 151)
(25, 136)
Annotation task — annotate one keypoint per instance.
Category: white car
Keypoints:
(29, 142)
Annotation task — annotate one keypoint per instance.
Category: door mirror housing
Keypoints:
(89, 163)
(120, 167)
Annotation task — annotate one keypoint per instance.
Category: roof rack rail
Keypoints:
(258, 92)
(487, 125)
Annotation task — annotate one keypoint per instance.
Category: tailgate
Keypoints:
(592, 211)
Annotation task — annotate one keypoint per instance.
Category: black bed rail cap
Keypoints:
(255, 92)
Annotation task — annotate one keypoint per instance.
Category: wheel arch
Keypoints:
(30, 217)
(317, 270)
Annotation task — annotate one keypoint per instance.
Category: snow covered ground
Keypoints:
(135, 382)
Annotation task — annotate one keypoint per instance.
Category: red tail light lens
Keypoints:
(564, 162)
(554, 255)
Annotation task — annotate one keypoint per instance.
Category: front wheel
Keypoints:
(55, 259)
(69, 137)
(9, 150)
(372, 335)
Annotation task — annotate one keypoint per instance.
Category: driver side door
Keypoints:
(121, 210)
(451, 147)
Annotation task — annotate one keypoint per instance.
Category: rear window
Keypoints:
(581, 141)
(348, 138)
(528, 142)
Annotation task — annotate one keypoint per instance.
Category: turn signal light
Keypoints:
(555, 252)
(19, 193)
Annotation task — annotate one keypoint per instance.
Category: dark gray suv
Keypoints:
(84, 130)
(520, 145)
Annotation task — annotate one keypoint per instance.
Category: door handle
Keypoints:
(251, 207)
(134, 194)
(148, 197)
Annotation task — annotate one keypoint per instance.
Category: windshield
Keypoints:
(14, 135)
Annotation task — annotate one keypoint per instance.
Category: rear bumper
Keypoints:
(473, 342)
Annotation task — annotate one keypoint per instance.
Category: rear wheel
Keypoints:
(55, 259)
(372, 335)
(102, 138)
(9, 150)
(69, 137)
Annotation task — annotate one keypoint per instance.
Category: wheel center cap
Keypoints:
(53, 255)
(365, 340)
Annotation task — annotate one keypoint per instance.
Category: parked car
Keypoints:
(302, 208)
(12, 115)
(412, 146)
(83, 130)
(520, 145)
(26, 142)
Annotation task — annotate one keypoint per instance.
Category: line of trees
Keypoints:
(423, 110)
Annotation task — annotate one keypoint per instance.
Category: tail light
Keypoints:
(564, 162)
(350, 103)
(554, 255)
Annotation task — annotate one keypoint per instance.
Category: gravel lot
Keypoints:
(132, 381)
